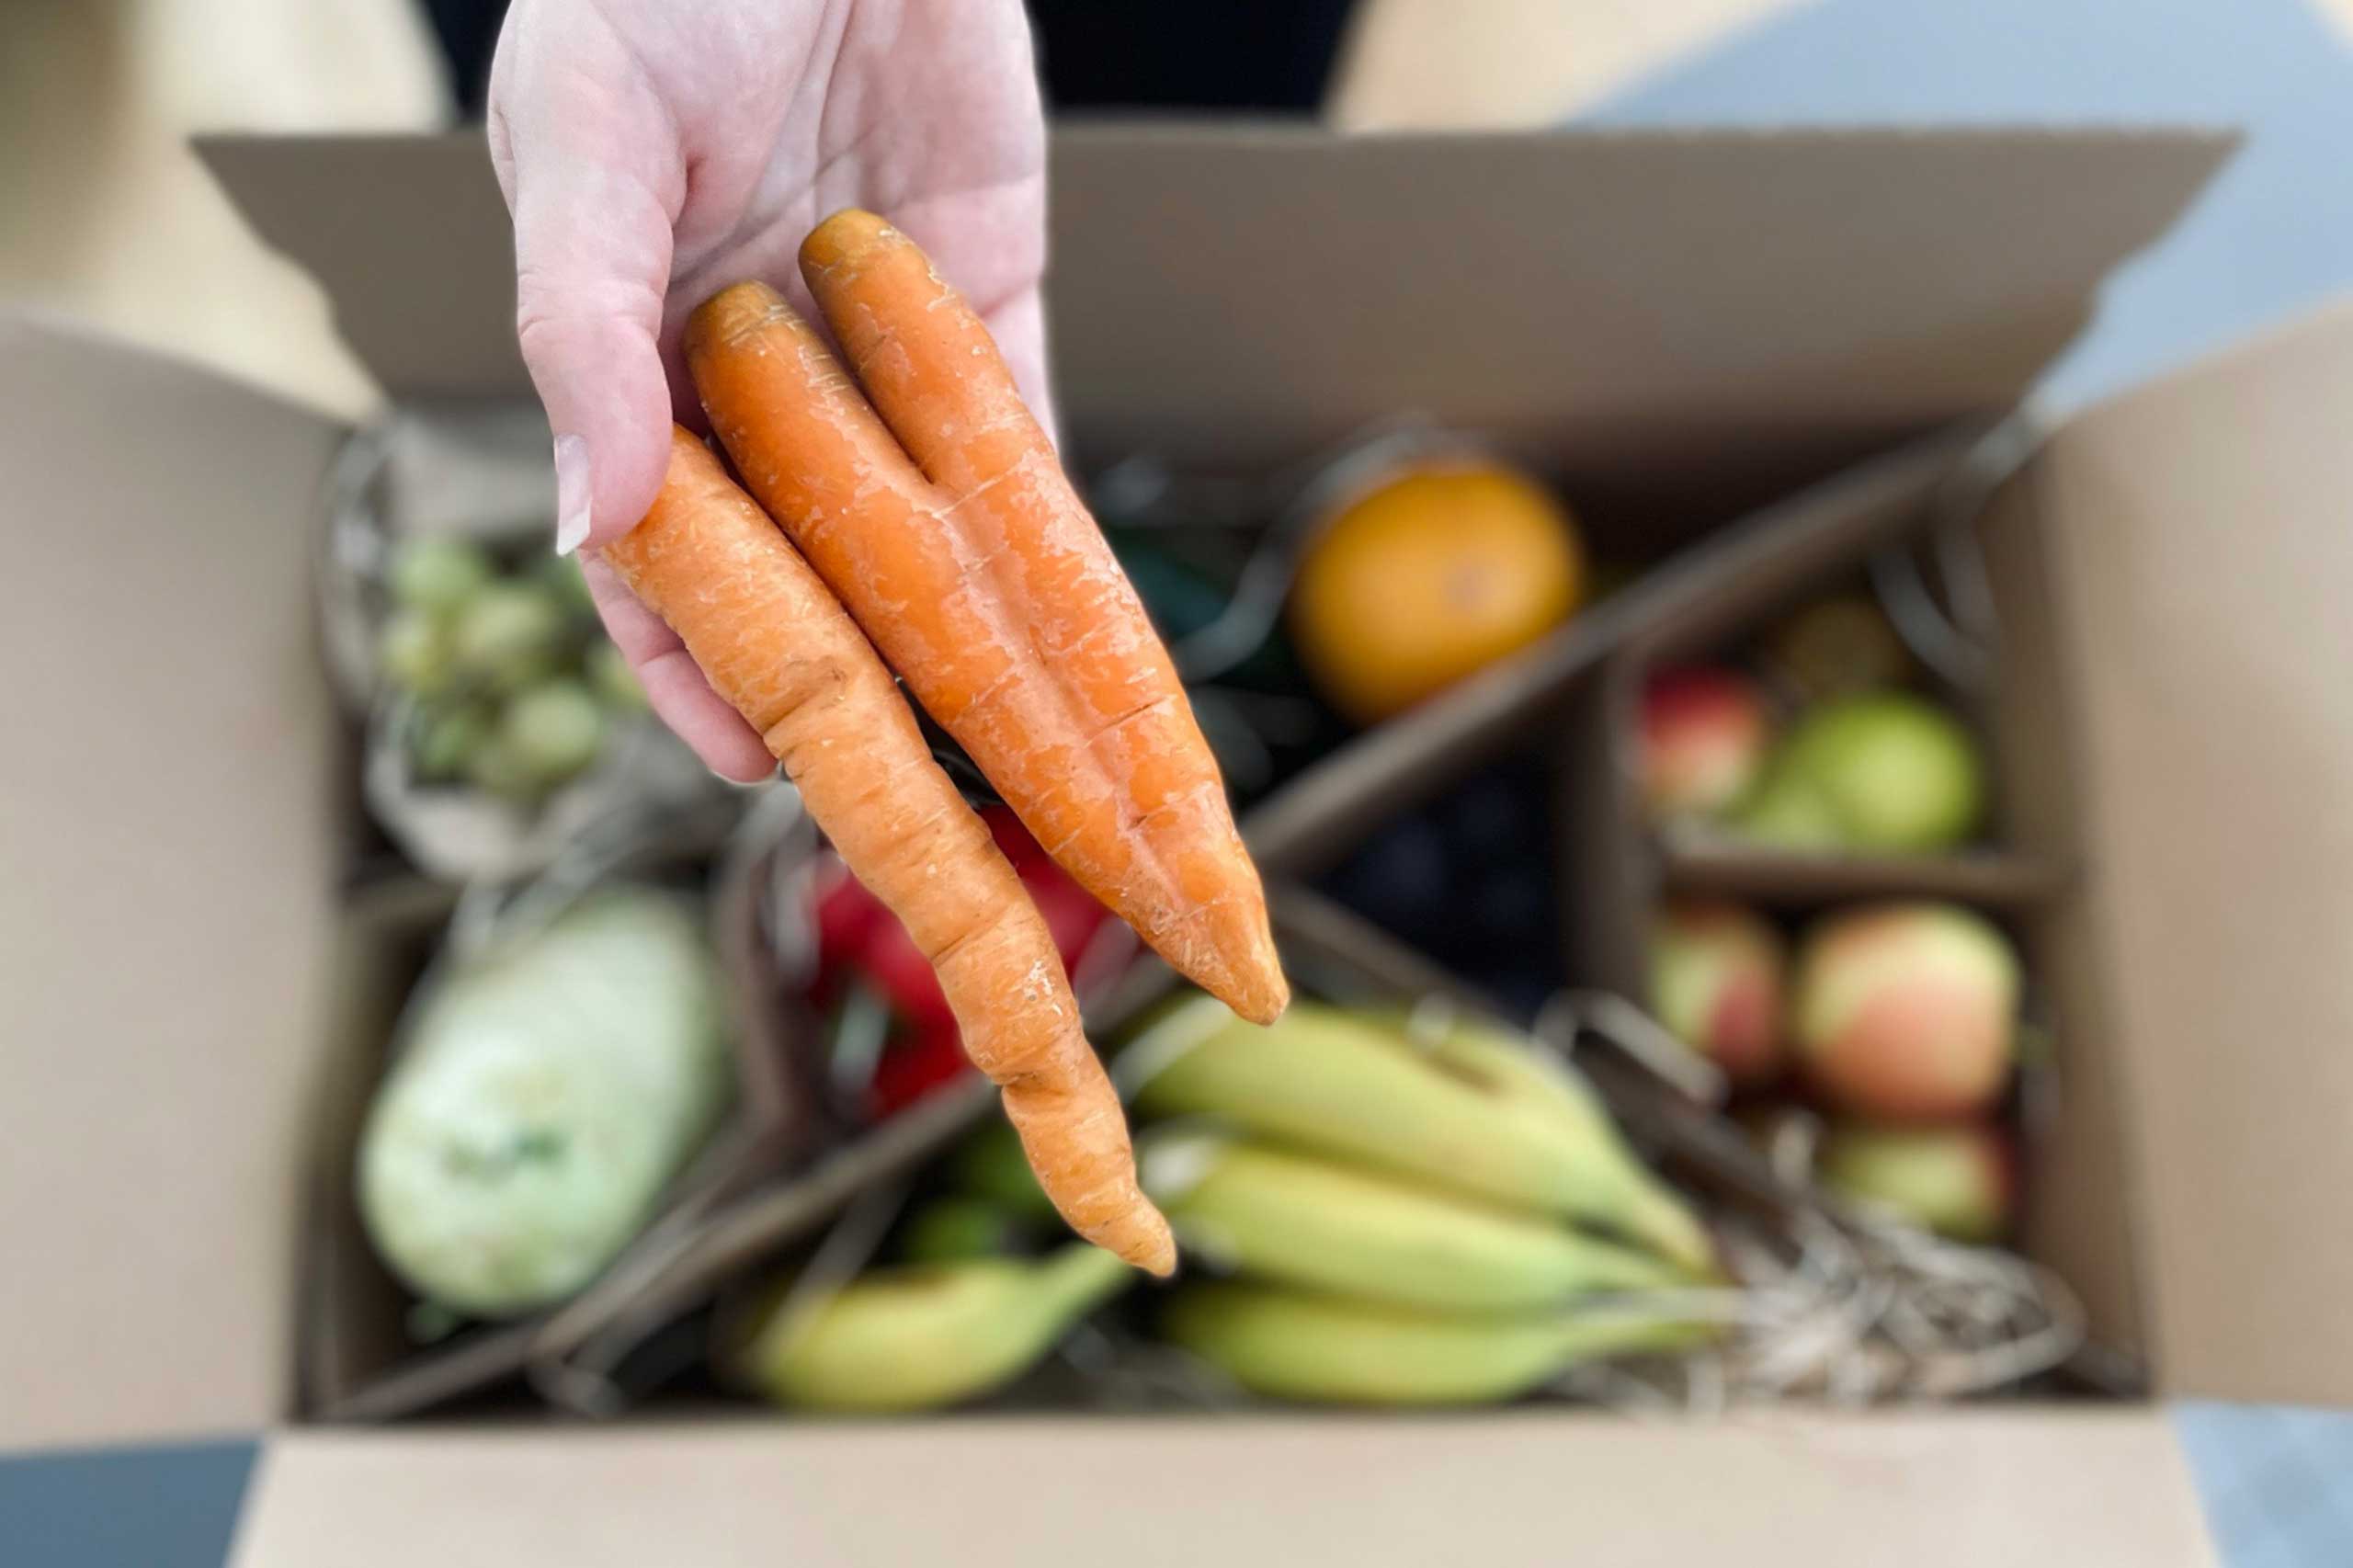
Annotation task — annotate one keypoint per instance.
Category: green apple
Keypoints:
(1789, 813)
(1897, 772)
(1955, 1179)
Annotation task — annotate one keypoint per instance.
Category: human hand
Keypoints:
(653, 151)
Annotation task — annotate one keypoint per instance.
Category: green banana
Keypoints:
(1290, 1345)
(1298, 1219)
(1646, 1208)
(1470, 1045)
(912, 1338)
(1477, 1110)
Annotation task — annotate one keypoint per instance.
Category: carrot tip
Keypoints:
(732, 314)
(1264, 1010)
(847, 236)
(1157, 1254)
(1237, 964)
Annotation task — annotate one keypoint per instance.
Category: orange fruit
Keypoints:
(1437, 573)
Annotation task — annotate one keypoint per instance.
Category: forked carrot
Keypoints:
(773, 641)
(988, 586)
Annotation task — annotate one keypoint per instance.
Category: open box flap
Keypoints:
(1637, 302)
(166, 905)
(2204, 541)
(1656, 298)
(1949, 1490)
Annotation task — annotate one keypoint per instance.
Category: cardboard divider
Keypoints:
(1994, 878)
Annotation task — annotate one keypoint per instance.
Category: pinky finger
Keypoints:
(703, 719)
(674, 687)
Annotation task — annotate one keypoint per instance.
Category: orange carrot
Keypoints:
(985, 582)
(774, 642)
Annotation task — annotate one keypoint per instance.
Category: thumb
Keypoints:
(593, 187)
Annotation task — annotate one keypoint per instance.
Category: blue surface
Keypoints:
(146, 1508)
(2278, 1485)
(2273, 235)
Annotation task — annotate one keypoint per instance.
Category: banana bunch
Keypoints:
(1474, 1110)
(1412, 1220)
(1388, 1217)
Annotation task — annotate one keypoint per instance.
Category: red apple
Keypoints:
(1071, 913)
(1704, 739)
(845, 913)
(1955, 1179)
(912, 1066)
(899, 971)
(1013, 839)
(1716, 983)
(1905, 1011)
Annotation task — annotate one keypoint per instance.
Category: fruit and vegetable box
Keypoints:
(1814, 895)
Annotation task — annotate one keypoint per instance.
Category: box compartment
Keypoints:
(356, 1358)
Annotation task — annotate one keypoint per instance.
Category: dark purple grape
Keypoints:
(1401, 878)
(1493, 821)
(1512, 909)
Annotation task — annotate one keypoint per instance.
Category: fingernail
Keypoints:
(571, 495)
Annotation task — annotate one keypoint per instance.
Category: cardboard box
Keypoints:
(1686, 326)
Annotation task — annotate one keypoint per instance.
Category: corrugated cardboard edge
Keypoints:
(2204, 532)
(1953, 1489)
